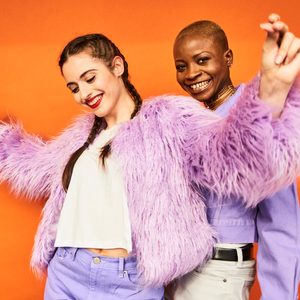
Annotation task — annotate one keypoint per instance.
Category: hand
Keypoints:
(281, 51)
(280, 63)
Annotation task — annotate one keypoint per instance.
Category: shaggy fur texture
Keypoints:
(170, 152)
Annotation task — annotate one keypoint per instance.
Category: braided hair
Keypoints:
(98, 46)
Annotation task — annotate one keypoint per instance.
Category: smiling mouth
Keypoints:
(94, 102)
(199, 86)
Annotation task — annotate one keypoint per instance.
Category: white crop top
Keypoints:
(95, 212)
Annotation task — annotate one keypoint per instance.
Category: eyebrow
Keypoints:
(194, 56)
(202, 53)
(82, 75)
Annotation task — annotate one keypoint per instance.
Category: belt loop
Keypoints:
(121, 267)
(239, 257)
(61, 252)
(73, 252)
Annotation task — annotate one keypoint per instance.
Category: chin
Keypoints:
(99, 114)
(205, 97)
(199, 98)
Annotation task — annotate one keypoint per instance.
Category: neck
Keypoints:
(222, 96)
(122, 111)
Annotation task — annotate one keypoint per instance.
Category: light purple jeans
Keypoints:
(78, 274)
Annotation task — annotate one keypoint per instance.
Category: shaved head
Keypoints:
(207, 29)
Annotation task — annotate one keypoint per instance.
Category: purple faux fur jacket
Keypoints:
(172, 146)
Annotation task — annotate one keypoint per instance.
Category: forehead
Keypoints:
(192, 44)
(79, 63)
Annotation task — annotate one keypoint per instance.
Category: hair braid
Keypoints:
(135, 95)
(106, 150)
(98, 125)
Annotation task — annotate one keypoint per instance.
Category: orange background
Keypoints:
(32, 34)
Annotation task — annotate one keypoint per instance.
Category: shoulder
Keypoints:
(166, 101)
(83, 120)
(80, 124)
(183, 108)
(176, 105)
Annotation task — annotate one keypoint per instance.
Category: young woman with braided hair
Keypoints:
(123, 216)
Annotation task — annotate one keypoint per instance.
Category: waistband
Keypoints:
(88, 257)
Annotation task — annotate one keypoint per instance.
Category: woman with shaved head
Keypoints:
(203, 60)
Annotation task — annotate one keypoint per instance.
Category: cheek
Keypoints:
(179, 78)
(76, 98)
(219, 70)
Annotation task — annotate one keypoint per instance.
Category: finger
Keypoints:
(271, 38)
(280, 26)
(286, 42)
(273, 18)
(267, 27)
(294, 66)
(294, 50)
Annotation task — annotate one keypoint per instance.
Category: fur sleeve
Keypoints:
(245, 155)
(31, 165)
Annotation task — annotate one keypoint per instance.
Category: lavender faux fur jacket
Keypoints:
(170, 152)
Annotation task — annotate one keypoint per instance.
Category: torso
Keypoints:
(117, 252)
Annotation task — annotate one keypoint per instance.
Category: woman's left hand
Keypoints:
(281, 51)
(280, 64)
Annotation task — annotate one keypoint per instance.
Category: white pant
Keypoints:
(217, 280)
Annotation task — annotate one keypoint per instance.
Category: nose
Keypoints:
(192, 72)
(85, 93)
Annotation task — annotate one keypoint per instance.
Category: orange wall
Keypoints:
(33, 32)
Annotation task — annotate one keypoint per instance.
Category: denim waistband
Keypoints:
(105, 262)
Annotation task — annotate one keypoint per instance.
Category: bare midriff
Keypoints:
(116, 252)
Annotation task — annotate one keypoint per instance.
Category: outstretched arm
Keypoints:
(29, 164)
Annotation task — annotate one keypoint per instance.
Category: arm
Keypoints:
(247, 154)
(29, 164)
(278, 217)
(250, 154)
(20, 161)
(278, 229)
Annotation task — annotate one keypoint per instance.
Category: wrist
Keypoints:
(274, 93)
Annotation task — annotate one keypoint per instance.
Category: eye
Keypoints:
(90, 79)
(202, 60)
(180, 68)
(74, 90)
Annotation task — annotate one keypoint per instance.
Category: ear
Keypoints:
(118, 66)
(228, 55)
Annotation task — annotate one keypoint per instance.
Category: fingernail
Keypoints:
(263, 26)
(278, 59)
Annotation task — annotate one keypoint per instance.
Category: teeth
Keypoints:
(94, 101)
(200, 86)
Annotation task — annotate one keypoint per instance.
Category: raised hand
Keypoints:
(281, 51)
(280, 64)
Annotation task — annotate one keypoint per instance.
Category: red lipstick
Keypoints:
(91, 102)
